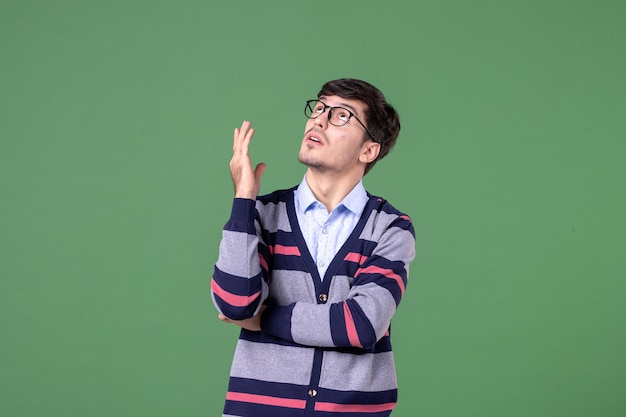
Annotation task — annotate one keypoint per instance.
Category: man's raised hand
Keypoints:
(247, 182)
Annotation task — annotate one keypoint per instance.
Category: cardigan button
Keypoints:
(323, 298)
(312, 393)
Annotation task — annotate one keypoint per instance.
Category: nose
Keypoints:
(322, 119)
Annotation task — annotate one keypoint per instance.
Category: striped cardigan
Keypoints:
(324, 348)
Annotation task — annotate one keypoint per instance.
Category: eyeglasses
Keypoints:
(337, 116)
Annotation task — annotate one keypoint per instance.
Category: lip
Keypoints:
(314, 137)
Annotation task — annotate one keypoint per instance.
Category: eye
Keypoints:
(319, 108)
(342, 114)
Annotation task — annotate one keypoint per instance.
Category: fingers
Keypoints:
(246, 179)
(242, 137)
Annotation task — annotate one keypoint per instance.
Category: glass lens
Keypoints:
(313, 108)
(339, 116)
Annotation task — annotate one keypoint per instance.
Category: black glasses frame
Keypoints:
(330, 110)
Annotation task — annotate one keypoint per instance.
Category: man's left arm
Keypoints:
(364, 316)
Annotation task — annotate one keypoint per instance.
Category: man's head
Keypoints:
(381, 119)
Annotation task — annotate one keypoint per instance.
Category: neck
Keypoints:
(329, 190)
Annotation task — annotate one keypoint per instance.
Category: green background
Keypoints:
(116, 122)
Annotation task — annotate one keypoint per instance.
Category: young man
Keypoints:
(314, 274)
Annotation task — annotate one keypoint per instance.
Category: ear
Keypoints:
(369, 152)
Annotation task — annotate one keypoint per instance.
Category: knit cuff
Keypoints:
(276, 321)
(242, 216)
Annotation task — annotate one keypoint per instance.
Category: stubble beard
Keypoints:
(311, 161)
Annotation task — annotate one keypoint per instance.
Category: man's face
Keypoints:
(336, 149)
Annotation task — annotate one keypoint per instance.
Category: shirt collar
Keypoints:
(355, 201)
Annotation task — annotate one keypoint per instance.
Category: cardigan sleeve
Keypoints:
(239, 283)
(364, 316)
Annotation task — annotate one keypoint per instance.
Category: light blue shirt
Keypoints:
(324, 232)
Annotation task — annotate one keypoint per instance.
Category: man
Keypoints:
(314, 274)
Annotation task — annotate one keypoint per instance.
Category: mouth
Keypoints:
(314, 137)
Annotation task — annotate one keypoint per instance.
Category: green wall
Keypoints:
(116, 122)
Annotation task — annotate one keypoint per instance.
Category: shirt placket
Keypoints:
(322, 217)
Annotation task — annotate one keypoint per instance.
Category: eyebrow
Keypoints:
(346, 105)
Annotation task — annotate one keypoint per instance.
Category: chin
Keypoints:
(310, 162)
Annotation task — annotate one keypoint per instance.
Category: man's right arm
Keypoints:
(240, 280)
(239, 283)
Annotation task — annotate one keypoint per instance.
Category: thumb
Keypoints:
(258, 172)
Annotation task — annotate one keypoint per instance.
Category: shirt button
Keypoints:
(324, 230)
(323, 298)
(321, 263)
(312, 393)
